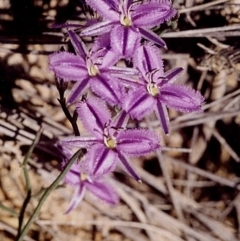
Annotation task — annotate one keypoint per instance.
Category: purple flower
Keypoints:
(108, 143)
(155, 89)
(90, 69)
(128, 20)
(81, 182)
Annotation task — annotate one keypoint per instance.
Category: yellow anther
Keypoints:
(126, 21)
(93, 70)
(83, 177)
(111, 143)
(153, 90)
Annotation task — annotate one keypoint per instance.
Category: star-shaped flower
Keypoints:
(81, 182)
(109, 144)
(155, 89)
(86, 68)
(128, 21)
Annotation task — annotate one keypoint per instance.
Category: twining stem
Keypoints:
(29, 153)
(27, 180)
(47, 192)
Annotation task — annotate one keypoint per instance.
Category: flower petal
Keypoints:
(172, 75)
(107, 87)
(99, 161)
(106, 8)
(181, 98)
(120, 120)
(101, 42)
(79, 141)
(162, 115)
(130, 82)
(148, 58)
(72, 177)
(66, 58)
(94, 115)
(152, 13)
(97, 29)
(77, 197)
(137, 142)
(78, 44)
(151, 36)
(110, 58)
(124, 40)
(103, 191)
(123, 71)
(78, 90)
(68, 66)
(138, 103)
(126, 163)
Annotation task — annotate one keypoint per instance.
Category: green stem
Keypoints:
(47, 193)
(27, 180)
(44, 189)
(8, 210)
(29, 153)
(35, 141)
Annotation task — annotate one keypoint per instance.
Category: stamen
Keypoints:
(83, 177)
(93, 70)
(125, 21)
(152, 89)
(111, 143)
(109, 139)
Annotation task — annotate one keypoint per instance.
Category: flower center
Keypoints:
(109, 138)
(153, 89)
(93, 70)
(125, 21)
(110, 143)
(83, 177)
(125, 16)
